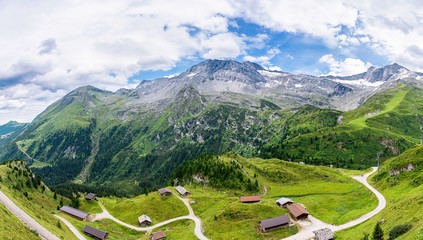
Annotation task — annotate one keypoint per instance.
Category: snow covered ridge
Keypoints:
(360, 82)
(267, 73)
(219, 78)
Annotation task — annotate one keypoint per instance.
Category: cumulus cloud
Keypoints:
(264, 60)
(48, 46)
(68, 44)
(347, 67)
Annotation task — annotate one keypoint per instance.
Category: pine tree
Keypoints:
(377, 232)
(55, 195)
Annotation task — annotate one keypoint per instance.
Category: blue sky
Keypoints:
(52, 47)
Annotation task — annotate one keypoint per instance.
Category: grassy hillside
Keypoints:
(389, 122)
(30, 194)
(404, 195)
(10, 130)
(157, 208)
(11, 224)
(327, 193)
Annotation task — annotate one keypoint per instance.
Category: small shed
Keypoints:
(94, 232)
(323, 234)
(283, 202)
(90, 196)
(182, 191)
(144, 220)
(76, 213)
(250, 199)
(158, 235)
(297, 211)
(274, 223)
(165, 192)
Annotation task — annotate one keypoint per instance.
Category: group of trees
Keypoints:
(210, 170)
(395, 232)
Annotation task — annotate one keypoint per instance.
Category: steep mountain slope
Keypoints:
(389, 123)
(11, 130)
(30, 194)
(132, 140)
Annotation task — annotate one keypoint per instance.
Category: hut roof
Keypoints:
(144, 218)
(74, 212)
(94, 232)
(275, 222)
(282, 201)
(323, 234)
(247, 199)
(164, 190)
(181, 190)
(158, 235)
(90, 196)
(297, 210)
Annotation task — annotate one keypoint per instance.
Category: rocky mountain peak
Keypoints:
(384, 73)
(226, 70)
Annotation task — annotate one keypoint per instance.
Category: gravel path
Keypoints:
(72, 228)
(198, 231)
(307, 228)
(25, 218)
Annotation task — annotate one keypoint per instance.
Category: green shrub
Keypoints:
(399, 230)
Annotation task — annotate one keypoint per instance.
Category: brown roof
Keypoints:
(158, 235)
(297, 210)
(274, 222)
(248, 199)
(74, 212)
(94, 232)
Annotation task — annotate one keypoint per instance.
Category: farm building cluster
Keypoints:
(143, 220)
(296, 211)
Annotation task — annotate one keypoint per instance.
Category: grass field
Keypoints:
(326, 192)
(329, 194)
(10, 224)
(38, 205)
(389, 106)
(89, 206)
(177, 230)
(115, 230)
(157, 208)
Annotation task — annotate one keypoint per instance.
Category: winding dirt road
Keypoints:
(306, 231)
(25, 218)
(72, 228)
(198, 231)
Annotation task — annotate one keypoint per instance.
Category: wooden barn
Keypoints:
(144, 220)
(90, 196)
(250, 199)
(158, 235)
(94, 232)
(182, 191)
(76, 213)
(297, 211)
(283, 202)
(274, 223)
(165, 192)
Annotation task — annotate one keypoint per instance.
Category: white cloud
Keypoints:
(347, 67)
(222, 45)
(60, 45)
(265, 59)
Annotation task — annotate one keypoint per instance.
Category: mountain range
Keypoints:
(132, 139)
